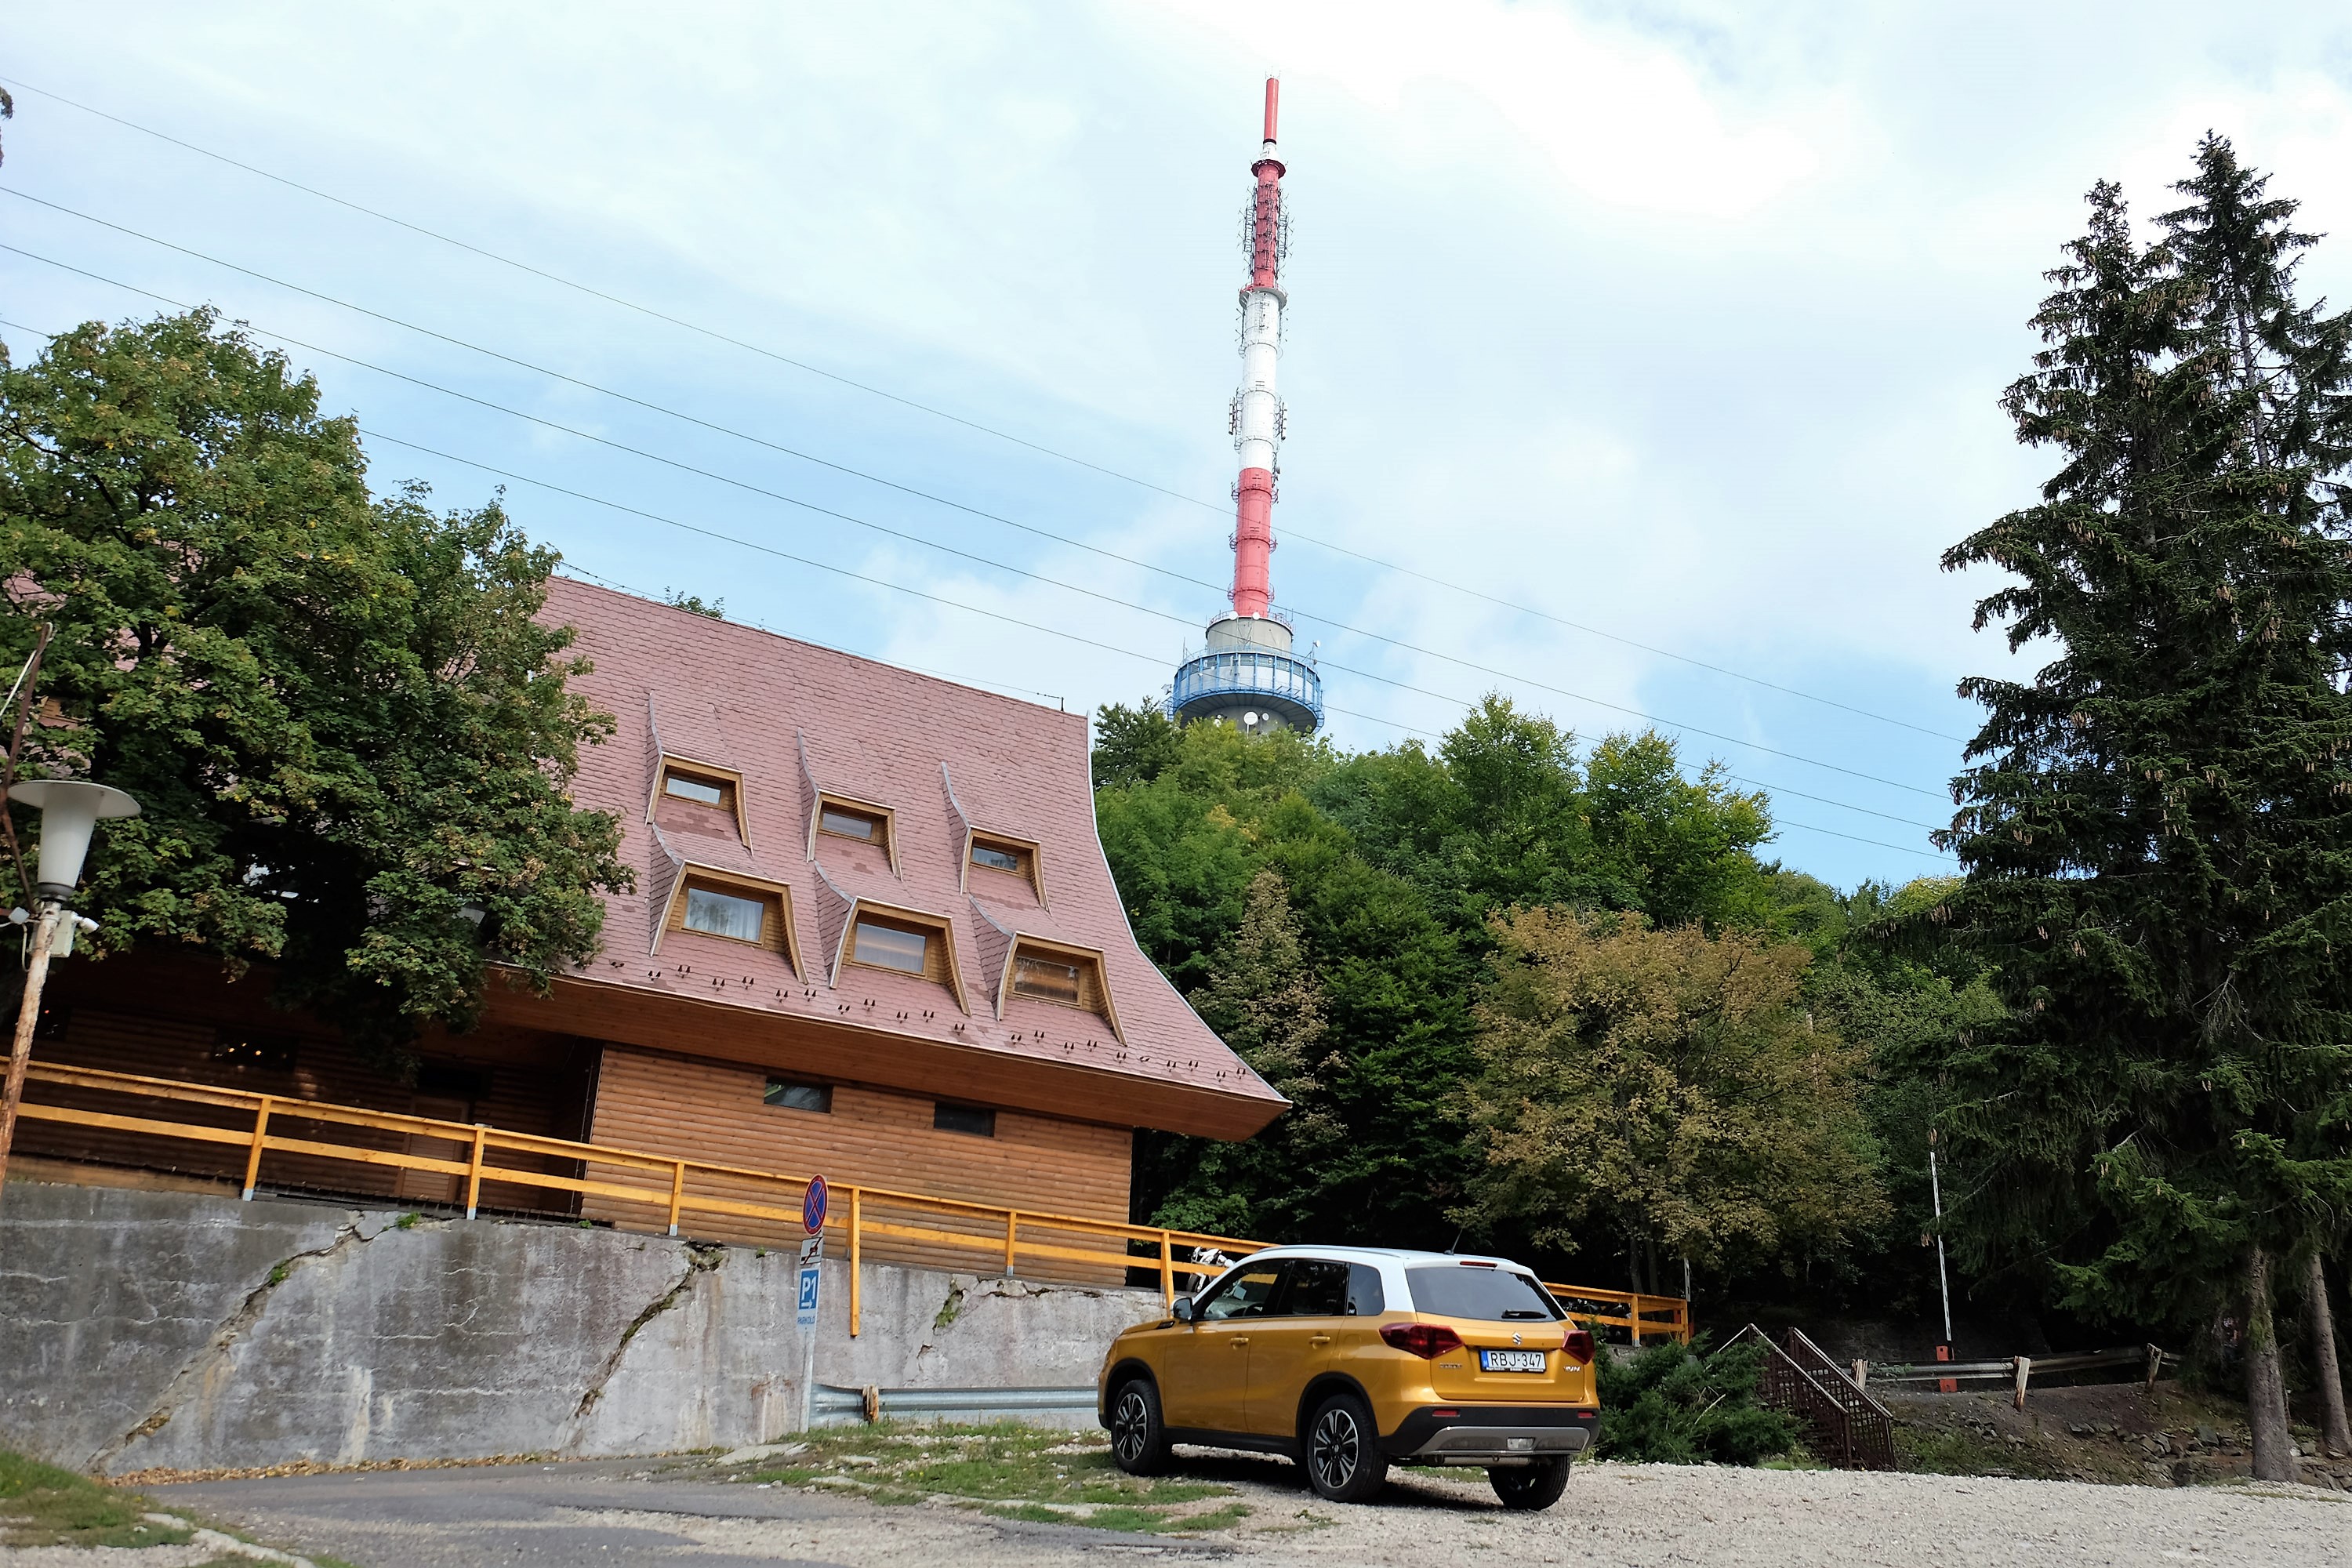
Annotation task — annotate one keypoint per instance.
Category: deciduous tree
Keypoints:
(350, 736)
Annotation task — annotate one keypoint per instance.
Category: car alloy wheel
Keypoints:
(1337, 1449)
(1130, 1425)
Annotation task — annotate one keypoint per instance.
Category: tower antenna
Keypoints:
(1247, 675)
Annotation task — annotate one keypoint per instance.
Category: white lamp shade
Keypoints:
(70, 809)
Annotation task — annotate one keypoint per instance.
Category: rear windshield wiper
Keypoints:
(1510, 1313)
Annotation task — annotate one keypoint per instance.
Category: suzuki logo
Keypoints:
(1516, 1340)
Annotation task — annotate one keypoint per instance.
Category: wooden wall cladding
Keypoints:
(715, 1112)
(521, 1082)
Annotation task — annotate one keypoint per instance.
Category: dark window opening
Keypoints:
(1000, 857)
(1324, 1287)
(968, 1118)
(262, 1053)
(453, 1081)
(793, 1096)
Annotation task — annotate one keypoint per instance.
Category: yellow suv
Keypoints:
(1351, 1359)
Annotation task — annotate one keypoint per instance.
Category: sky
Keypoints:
(1641, 361)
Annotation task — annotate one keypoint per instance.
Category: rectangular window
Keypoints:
(1045, 978)
(849, 824)
(891, 947)
(968, 1118)
(724, 914)
(694, 789)
(791, 1096)
(996, 858)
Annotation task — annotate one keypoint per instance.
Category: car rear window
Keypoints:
(1493, 1295)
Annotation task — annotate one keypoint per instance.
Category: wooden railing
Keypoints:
(682, 1192)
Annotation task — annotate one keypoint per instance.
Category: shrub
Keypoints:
(1680, 1404)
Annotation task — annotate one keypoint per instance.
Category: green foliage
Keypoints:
(1506, 816)
(1668, 1088)
(1674, 1404)
(2157, 827)
(44, 1506)
(695, 605)
(1133, 745)
(340, 714)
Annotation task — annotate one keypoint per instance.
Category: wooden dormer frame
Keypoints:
(1035, 851)
(733, 777)
(826, 798)
(724, 881)
(941, 924)
(1045, 947)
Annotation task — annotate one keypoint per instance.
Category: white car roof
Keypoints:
(1397, 1255)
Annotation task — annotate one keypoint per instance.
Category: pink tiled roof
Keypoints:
(793, 718)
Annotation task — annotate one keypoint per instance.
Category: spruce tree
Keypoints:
(2157, 827)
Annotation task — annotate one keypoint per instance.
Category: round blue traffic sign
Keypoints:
(813, 1206)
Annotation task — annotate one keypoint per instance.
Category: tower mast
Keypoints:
(1247, 673)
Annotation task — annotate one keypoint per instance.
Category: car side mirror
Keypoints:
(1182, 1309)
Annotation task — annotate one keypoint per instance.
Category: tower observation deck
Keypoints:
(1247, 675)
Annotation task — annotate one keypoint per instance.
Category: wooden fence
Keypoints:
(679, 1197)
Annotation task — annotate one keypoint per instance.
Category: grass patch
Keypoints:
(1008, 1469)
(44, 1506)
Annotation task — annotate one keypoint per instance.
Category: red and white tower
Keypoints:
(1247, 675)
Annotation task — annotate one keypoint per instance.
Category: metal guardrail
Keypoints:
(2019, 1371)
(682, 1191)
(873, 1404)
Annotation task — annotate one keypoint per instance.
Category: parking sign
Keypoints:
(809, 1277)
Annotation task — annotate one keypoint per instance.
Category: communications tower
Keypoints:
(1247, 676)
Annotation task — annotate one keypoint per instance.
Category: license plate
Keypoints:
(1510, 1360)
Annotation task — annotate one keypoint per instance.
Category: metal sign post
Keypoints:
(812, 1277)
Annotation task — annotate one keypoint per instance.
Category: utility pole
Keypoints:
(1943, 1280)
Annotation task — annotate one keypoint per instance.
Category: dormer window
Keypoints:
(1037, 970)
(901, 940)
(712, 902)
(724, 914)
(685, 787)
(1047, 979)
(885, 945)
(698, 797)
(841, 822)
(994, 859)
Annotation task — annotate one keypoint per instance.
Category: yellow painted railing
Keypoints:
(679, 1189)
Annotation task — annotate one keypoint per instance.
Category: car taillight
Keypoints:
(1427, 1340)
(1578, 1343)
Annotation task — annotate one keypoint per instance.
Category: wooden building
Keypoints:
(873, 935)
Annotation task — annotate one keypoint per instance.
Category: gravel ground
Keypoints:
(630, 1517)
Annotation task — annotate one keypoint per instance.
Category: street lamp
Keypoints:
(70, 811)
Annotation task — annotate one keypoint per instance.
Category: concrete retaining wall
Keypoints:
(146, 1329)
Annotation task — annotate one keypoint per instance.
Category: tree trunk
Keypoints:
(2265, 1387)
(2320, 1320)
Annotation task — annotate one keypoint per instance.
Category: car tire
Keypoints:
(1138, 1438)
(1344, 1462)
(1529, 1487)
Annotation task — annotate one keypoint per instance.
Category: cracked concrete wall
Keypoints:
(140, 1330)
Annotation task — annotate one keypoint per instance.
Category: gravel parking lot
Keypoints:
(648, 1514)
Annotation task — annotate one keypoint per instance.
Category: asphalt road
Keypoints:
(650, 1514)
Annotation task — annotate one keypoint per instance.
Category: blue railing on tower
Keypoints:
(1278, 679)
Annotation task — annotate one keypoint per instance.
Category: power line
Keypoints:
(964, 554)
(959, 419)
(664, 409)
(738, 541)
